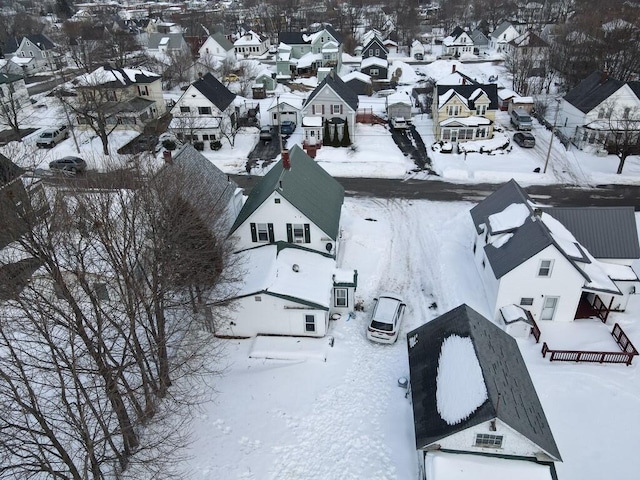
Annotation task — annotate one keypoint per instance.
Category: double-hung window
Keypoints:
(340, 297)
(544, 270)
(263, 232)
(309, 323)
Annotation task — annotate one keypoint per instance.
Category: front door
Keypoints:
(454, 135)
(549, 308)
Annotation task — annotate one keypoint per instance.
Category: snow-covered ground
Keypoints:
(346, 417)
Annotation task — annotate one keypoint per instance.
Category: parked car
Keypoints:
(231, 77)
(520, 119)
(386, 317)
(287, 127)
(52, 136)
(68, 164)
(524, 139)
(265, 133)
(399, 123)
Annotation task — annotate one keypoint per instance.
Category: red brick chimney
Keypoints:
(453, 68)
(605, 77)
(286, 163)
(167, 157)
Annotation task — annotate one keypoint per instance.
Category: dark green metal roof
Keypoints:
(306, 185)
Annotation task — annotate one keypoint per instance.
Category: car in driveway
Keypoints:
(524, 139)
(68, 165)
(287, 127)
(52, 136)
(388, 310)
(266, 133)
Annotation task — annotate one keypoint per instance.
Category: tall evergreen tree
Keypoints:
(346, 139)
(336, 138)
(326, 135)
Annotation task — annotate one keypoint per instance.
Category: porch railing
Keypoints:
(535, 330)
(601, 310)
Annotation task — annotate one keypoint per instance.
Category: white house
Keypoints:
(458, 43)
(306, 52)
(251, 44)
(202, 111)
(501, 36)
(217, 46)
(598, 106)
(297, 202)
(472, 395)
(335, 102)
(527, 257)
(288, 290)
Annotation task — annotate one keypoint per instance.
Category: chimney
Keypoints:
(167, 157)
(605, 77)
(537, 212)
(453, 68)
(286, 163)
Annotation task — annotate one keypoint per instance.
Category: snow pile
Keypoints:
(460, 387)
(509, 219)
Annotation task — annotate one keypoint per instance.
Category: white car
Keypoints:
(388, 310)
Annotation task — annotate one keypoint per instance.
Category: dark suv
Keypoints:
(524, 139)
(287, 127)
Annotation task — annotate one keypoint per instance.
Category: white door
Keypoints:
(549, 308)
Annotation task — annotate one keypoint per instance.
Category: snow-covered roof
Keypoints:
(290, 99)
(122, 76)
(249, 38)
(506, 94)
(508, 219)
(292, 272)
(399, 97)
(308, 59)
(460, 387)
(363, 77)
(312, 121)
(371, 61)
(471, 121)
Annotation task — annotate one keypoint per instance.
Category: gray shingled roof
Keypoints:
(606, 232)
(529, 239)
(479, 38)
(176, 40)
(9, 171)
(505, 375)
(222, 41)
(592, 91)
(335, 83)
(215, 91)
(204, 186)
(500, 29)
(306, 185)
(292, 38)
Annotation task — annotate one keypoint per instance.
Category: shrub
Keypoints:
(198, 146)
(215, 145)
(169, 144)
(346, 140)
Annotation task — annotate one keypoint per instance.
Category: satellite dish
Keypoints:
(295, 267)
(329, 246)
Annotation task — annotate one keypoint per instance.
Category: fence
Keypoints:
(535, 330)
(625, 356)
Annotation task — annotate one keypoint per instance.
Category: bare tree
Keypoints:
(178, 70)
(110, 321)
(15, 108)
(619, 132)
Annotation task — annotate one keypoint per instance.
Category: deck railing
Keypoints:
(535, 330)
(601, 309)
(623, 341)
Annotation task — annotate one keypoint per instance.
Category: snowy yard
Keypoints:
(346, 417)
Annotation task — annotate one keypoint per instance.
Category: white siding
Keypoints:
(328, 98)
(273, 315)
(513, 443)
(565, 282)
(279, 214)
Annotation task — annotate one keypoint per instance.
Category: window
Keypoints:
(298, 233)
(340, 297)
(335, 109)
(276, 200)
(263, 232)
(374, 72)
(143, 90)
(481, 109)
(626, 112)
(204, 110)
(185, 109)
(487, 440)
(100, 289)
(481, 133)
(377, 52)
(545, 268)
(205, 137)
(453, 110)
(258, 298)
(446, 134)
(474, 246)
(526, 301)
(309, 323)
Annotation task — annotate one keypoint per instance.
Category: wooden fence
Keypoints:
(625, 356)
(535, 330)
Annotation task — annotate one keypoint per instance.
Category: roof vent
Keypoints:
(295, 267)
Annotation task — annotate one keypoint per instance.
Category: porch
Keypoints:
(591, 305)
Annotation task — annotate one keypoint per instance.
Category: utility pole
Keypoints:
(553, 132)
(279, 133)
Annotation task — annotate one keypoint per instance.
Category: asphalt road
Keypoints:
(437, 190)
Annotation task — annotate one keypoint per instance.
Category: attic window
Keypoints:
(276, 200)
(545, 268)
(486, 440)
